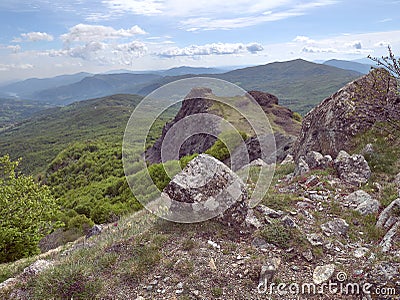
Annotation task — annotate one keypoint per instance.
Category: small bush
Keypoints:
(80, 222)
(277, 234)
(296, 116)
(65, 282)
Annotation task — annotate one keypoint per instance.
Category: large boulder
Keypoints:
(275, 148)
(206, 188)
(390, 215)
(352, 169)
(331, 126)
(362, 202)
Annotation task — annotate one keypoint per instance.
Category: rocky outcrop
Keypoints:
(200, 101)
(352, 169)
(332, 125)
(277, 147)
(196, 102)
(207, 188)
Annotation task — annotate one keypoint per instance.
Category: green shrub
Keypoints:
(159, 176)
(220, 150)
(277, 234)
(80, 222)
(26, 211)
(296, 116)
(186, 159)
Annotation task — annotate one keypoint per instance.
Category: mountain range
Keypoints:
(299, 84)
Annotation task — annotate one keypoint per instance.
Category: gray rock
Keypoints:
(387, 240)
(301, 167)
(397, 183)
(386, 271)
(333, 124)
(9, 283)
(352, 169)
(390, 215)
(258, 163)
(315, 239)
(368, 207)
(206, 188)
(261, 244)
(308, 255)
(275, 148)
(37, 267)
(288, 222)
(360, 252)
(362, 202)
(335, 227)
(95, 230)
(269, 212)
(288, 160)
(397, 180)
(323, 273)
(268, 271)
(356, 198)
(316, 160)
(252, 221)
(368, 149)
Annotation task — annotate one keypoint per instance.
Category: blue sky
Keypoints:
(50, 37)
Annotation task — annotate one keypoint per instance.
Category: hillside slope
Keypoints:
(40, 139)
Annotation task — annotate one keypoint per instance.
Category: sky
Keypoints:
(45, 38)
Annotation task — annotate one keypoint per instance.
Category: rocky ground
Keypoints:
(313, 229)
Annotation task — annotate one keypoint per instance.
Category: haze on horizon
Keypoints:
(46, 38)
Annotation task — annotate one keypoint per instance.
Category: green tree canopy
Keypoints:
(26, 212)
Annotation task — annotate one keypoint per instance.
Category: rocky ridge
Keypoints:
(200, 101)
(332, 125)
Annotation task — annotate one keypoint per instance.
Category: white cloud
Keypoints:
(211, 49)
(355, 44)
(103, 53)
(139, 7)
(381, 44)
(211, 15)
(9, 67)
(92, 33)
(318, 50)
(14, 48)
(303, 39)
(254, 47)
(35, 36)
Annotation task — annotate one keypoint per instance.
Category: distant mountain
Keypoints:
(349, 65)
(25, 88)
(96, 86)
(299, 84)
(190, 70)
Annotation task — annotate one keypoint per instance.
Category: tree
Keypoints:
(389, 62)
(390, 110)
(26, 212)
